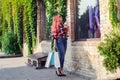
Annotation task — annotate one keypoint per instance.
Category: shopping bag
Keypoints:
(56, 60)
(47, 64)
(52, 59)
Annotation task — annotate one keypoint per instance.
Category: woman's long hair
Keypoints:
(55, 23)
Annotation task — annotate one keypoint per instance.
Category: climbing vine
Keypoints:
(18, 21)
(1, 19)
(113, 13)
(20, 16)
(11, 23)
(28, 34)
(52, 7)
(30, 17)
(110, 48)
(4, 15)
(33, 20)
(19, 26)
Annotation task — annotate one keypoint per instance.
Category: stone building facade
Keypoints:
(82, 57)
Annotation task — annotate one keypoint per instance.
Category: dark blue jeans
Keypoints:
(61, 44)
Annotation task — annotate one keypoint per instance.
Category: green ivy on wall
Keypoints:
(113, 13)
(19, 25)
(18, 21)
(1, 19)
(10, 44)
(28, 30)
(33, 20)
(52, 7)
(11, 23)
(20, 16)
(28, 35)
(110, 47)
(30, 17)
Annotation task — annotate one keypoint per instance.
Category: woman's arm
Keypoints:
(54, 46)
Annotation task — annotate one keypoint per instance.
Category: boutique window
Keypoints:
(87, 19)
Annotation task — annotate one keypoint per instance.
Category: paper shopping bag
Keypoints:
(47, 64)
(56, 60)
(52, 59)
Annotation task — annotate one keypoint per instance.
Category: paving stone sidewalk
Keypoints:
(16, 69)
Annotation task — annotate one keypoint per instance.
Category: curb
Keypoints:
(11, 56)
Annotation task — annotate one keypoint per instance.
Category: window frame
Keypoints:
(73, 28)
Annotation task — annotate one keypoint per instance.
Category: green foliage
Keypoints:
(19, 26)
(113, 13)
(5, 9)
(1, 16)
(3, 22)
(9, 43)
(0, 42)
(52, 7)
(5, 26)
(11, 23)
(110, 49)
(28, 32)
(1, 19)
(19, 16)
(33, 20)
(30, 22)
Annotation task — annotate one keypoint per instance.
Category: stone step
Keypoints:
(37, 60)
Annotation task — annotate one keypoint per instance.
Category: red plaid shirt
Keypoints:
(61, 33)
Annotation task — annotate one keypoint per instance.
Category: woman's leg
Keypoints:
(65, 48)
(65, 44)
(61, 51)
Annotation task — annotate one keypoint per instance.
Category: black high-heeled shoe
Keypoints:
(63, 74)
(58, 74)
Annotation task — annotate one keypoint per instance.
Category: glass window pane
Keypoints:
(88, 20)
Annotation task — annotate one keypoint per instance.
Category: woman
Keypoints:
(59, 34)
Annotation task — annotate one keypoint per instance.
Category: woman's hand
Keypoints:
(54, 46)
(67, 29)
